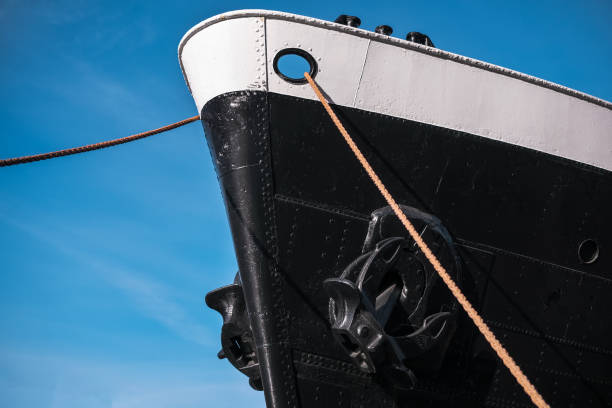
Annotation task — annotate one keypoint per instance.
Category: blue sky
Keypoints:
(106, 257)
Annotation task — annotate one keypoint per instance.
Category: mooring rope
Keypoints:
(96, 146)
(503, 354)
(508, 361)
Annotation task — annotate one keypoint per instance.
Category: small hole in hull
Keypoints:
(588, 251)
(291, 63)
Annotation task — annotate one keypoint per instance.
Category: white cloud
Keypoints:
(64, 381)
(152, 299)
(155, 301)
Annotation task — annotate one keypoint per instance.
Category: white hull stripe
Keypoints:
(373, 72)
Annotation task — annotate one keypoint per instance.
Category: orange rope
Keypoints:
(515, 370)
(74, 150)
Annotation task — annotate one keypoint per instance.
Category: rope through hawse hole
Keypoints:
(502, 353)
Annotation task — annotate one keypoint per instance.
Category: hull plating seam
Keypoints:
(296, 222)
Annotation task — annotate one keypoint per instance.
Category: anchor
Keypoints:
(389, 309)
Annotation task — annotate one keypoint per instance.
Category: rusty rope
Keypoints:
(75, 150)
(508, 361)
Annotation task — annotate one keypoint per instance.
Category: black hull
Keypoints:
(299, 205)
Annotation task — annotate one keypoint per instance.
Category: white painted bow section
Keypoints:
(339, 57)
(229, 55)
(369, 71)
(445, 93)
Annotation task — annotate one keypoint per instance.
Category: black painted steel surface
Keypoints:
(299, 206)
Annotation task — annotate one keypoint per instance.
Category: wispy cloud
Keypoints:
(100, 92)
(151, 298)
(155, 301)
(66, 381)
